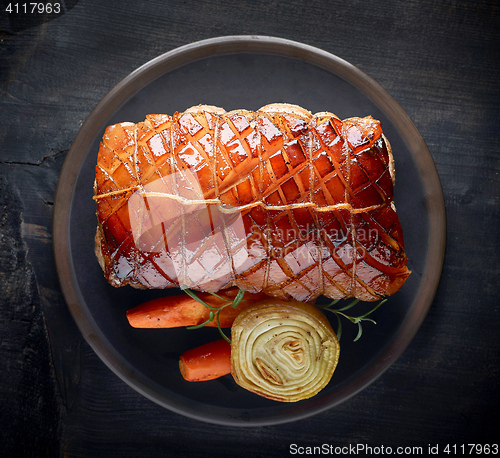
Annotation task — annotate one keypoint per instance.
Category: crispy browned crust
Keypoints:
(281, 200)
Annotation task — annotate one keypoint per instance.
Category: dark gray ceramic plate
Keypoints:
(243, 72)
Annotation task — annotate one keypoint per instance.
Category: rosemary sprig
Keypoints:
(214, 311)
(340, 312)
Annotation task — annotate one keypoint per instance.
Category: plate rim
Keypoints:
(264, 45)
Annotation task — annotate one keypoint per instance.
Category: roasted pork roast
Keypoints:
(278, 201)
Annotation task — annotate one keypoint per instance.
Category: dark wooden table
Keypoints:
(439, 60)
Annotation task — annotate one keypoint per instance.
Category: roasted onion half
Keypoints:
(285, 351)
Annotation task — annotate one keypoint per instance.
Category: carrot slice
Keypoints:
(206, 362)
(182, 310)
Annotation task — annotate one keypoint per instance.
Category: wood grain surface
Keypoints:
(439, 60)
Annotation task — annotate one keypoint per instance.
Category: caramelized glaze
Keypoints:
(280, 201)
